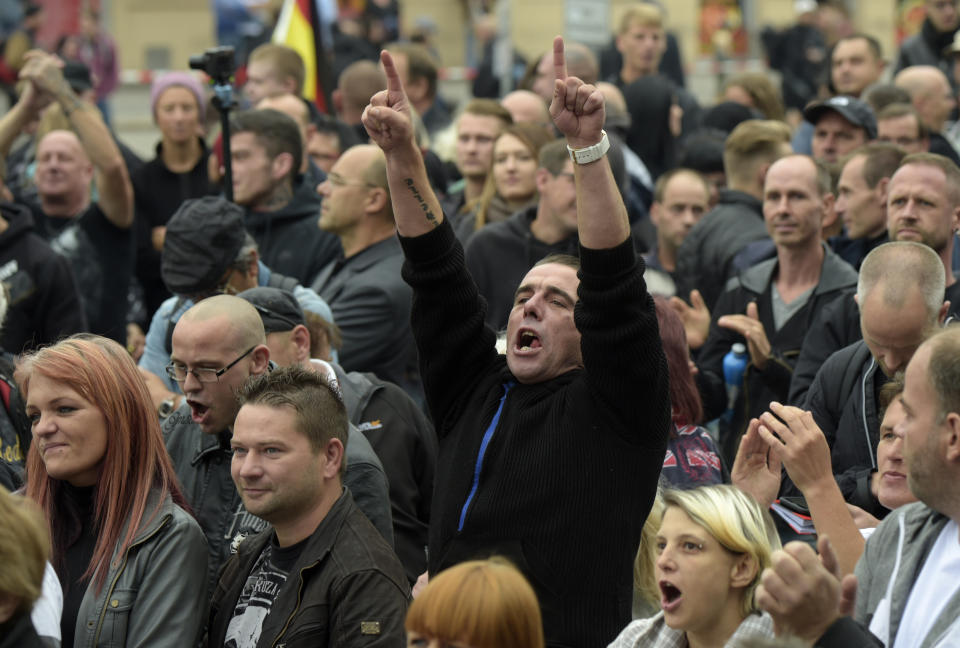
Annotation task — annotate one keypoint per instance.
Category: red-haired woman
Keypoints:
(476, 604)
(131, 561)
(692, 458)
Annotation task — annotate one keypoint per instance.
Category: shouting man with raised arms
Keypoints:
(581, 393)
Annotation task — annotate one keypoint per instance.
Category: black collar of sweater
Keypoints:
(937, 40)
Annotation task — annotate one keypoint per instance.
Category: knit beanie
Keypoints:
(182, 79)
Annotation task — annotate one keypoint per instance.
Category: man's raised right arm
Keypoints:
(388, 121)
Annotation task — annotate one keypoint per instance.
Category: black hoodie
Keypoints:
(44, 304)
(289, 239)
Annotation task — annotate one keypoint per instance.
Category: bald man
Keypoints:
(357, 83)
(216, 346)
(933, 99)
(526, 106)
(370, 301)
(95, 236)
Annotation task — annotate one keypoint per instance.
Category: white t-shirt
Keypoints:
(48, 608)
(936, 584)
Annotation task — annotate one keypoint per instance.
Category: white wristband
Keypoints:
(590, 154)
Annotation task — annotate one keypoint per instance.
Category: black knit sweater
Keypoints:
(571, 470)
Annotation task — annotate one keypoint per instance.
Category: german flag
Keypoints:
(299, 27)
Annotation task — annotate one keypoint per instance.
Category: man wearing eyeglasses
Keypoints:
(370, 301)
(217, 345)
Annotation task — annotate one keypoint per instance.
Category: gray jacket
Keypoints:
(890, 565)
(202, 463)
(154, 593)
(371, 305)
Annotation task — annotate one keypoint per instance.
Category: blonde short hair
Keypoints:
(736, 521)
(646, 15)
(24, 549)
(751, 144)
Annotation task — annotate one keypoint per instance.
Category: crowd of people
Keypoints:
(586, 364)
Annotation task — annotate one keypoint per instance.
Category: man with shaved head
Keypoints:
(581, 63)
(217, 345)
(526, 106)
(933, 99)
(95, 236)
(370, 302)
(357, 83)
(900, 294)
(768, 307)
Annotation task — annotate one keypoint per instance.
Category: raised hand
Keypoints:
(44, 71)
(804, 594)
(577, 108)
(696, 318)
(799, 442)
(387, 118)
(756, 468)
(751, 328)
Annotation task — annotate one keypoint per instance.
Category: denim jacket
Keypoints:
(154, 594)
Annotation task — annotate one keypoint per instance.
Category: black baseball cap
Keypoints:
(278, 309)
(852, 109)
(203, 239)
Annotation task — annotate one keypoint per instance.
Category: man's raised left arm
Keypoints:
(44, 71)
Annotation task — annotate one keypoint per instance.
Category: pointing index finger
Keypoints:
(390, 70)
(559, 60)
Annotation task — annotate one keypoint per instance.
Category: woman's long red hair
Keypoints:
(684, 397)
(136, 460)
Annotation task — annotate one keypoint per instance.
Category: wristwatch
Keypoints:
(166, 408)
(590, 154)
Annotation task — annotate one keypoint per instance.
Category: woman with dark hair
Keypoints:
(655, 122)
(476, 604)
(131, 560)
(692, 457)
(511, 184)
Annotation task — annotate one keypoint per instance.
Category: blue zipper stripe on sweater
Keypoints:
(483, 449)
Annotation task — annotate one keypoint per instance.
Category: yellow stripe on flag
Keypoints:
(294, 30)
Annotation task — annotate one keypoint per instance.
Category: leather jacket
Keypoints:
(154, 594)
(347, 588)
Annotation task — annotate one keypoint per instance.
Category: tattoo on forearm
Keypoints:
(423, 203)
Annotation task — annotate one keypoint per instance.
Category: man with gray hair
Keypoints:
(900, 294)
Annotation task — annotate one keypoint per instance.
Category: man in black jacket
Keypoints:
(769, 306)
(320, 573)
(549, 455)
(926, 47)
(399, 432)
(900, 292)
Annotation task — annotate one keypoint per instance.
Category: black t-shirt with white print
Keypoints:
(267, 576)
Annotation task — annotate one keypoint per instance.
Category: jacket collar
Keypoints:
(736, 197)
(320, 542)
(835, 273)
